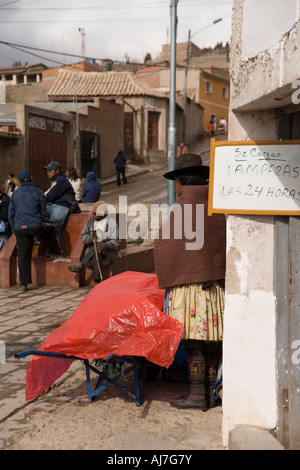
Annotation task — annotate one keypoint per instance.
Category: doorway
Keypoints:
(153, 121)
(287, 281)
(128, 136)
(47, 142)
(90, 153)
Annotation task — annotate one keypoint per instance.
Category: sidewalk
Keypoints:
(201, 147)
(26, 319)
(132, 170)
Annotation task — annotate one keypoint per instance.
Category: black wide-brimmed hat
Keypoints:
(188, 163)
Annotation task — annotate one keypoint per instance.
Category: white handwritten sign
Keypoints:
(260, 177)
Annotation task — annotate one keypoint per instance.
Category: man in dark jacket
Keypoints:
(120, 162)
(59, 196)
(27, 214)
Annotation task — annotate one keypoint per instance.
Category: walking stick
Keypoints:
(97, 258)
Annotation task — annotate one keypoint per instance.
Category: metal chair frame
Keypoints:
(135, 365)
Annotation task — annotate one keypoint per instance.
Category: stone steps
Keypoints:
(46, 272)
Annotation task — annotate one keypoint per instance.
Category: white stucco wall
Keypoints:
(264, 62)
(249, 382)
(265, 23)
(264, 53)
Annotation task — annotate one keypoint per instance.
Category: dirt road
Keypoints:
(63, 419)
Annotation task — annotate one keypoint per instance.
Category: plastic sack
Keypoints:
(122, 316)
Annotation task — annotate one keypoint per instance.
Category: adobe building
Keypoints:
(22, 84)
(261, 371)
(31, 136)
(146, 108)
(204, 77)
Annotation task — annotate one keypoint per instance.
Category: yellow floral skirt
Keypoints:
(200, 311)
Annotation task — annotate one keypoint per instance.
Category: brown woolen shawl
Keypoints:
(174, 264)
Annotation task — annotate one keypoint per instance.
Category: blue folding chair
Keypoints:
(135, 364)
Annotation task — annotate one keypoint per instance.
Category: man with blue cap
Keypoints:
(27, 214)
(59, 197)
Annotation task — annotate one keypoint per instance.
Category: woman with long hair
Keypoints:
(73, 177)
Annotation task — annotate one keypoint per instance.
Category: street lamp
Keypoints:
(186, 72)
(208, 26)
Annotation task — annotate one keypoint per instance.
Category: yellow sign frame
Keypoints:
(270, 143)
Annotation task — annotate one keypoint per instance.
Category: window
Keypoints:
(225, 93)
(208, 87)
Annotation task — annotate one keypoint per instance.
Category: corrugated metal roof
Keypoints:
(63, 107)
(7, 113)
(9, 110)
(88, 84)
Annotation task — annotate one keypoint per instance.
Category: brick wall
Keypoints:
(26, 94)
(12, 159)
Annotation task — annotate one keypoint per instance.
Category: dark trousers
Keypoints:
(105, 258)
(90, 261)
(121, 171)
(25, 238)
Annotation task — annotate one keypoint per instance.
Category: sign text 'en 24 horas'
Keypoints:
(255, 177)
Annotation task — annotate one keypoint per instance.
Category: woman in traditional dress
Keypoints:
(190, 255)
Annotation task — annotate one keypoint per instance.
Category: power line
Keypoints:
(9, 3)
(109, 6)
(103, 20)
(36, 55)
(24, 48)
(15, 45)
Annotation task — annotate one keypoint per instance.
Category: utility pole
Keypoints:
(185, 86)
(172, 133)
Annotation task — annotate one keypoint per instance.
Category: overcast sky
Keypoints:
(101, 29)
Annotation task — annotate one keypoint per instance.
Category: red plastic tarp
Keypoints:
(122, 316)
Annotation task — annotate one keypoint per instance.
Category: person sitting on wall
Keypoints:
(92, 188)
(59, 196)
(73, 177)
(100, 236)
(11, 184)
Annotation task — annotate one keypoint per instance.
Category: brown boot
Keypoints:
(75, 268)
(196, 398)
